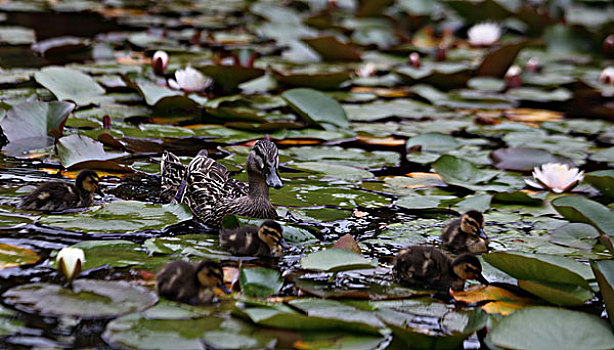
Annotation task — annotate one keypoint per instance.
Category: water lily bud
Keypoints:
(608, 46)
(607, 76)
(484, 34)
(69, 262)
(512, 77)
(189, 80)
(441, 53)
(533, 65)
(555, 177)
(414, 60)
(106, 122)
(159, 61)
(366, 70)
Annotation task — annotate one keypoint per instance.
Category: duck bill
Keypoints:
(99, 191)
(222, 286)
(482, 234)
(273, 180)
(482, 280)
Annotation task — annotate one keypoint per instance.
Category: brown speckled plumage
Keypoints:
(56, 196)
(265, 241)
(466, 234)
(189, 283)
(428, 267)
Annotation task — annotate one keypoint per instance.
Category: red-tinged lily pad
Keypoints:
(12, 256)
(497, 61)
(77, 150)
(499, 300)
(604, 272)
(523, 159)
(580, 209)
(347, 242)
(333, 50)
(88, 299)
(230, 77)
(33, 125)
(72, 85)
(320, 80)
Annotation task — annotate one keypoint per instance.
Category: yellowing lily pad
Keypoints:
(12, 255)
(502, 301)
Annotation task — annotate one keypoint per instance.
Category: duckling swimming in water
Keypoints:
(466, 234)
(56, 196)
(190, 283)
(266, 240)
(428, 267)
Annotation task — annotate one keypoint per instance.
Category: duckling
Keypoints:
(211, 194)
(266, 240)
(190, 283)
(430, 268)
(56, 196)
(466, 234)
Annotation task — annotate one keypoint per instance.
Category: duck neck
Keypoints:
(258, 188)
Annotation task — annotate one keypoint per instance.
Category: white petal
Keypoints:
(532, 183)
(173, 84)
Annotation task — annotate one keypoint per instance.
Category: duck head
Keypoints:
(262, 162)
(472, 222)
(271, 233)
(468, 267)
(209, 274)
(87, 181)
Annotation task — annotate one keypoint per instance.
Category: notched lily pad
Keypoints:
(336, 260)
(580, 209)
(79, 151)
(89, 299)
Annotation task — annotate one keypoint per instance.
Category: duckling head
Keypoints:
(472, 222)
(468, 267)
(271, 233)
(87, 181)
(263, 161)
(209, 274)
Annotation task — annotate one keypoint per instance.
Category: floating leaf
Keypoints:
(12, 255)
(260, 282)
(69, 84)
(333, 50)
(347, 242)
(333, 170)
(575, 235)
(192, 245)
(497, 61)
(336, 260)
(602, 180)
(502, 301)
(522, 159)
(316, 107)
(416, 202)
(580, 209)
(117, 253)
(433, 141)
(604, 272)
(76, 150)
(460, 172)
(230, 77)
(321, 80)
(88, 299)
(561, 294)
(518, 331)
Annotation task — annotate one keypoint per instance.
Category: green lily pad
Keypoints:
(14, 35)
(575, 235)
(416, 202)
(230, 77)
(194, 245)
(117, 253)
(31, 125)
(316, 107)
(561, 294)
(69, 84)
(12, 256)
(497, 61)
(333, 170)
(292, 234)
(604, 272)
(88, 299)
(336, 260)
(77, 150)
(320, 193)
(602, 180)
(522, 159)
(549, 328)
(460, 172)
(541, 267)
(580, 209)
(260, 282)
(333, 50)
(320, 80)
(433, 141)
(120, 216)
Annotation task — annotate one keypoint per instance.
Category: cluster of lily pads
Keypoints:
(391, 118)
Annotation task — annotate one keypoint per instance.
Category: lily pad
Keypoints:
(460, 172)
(561, 294)
(580, 209)
(333, 170)
(500, 300)
(191, 245)
(230, 77)
(522, 159)
(602, 180)
(548, 328)
(604, 272)
(316, 107)
(336, 260)
(88, 299)
(12, 256)
(77, 150)
(433, 141)
(69, 84)
(333, 50)
(575, 235)
(260, 282)
(117, 253)
(320, 80)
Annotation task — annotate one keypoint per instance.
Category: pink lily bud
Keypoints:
(159, 61)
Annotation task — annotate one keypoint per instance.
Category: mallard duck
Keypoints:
(266, 240)
(428, 267)
(466, 234)
(55, 195)
(190, 283)
(211, 194)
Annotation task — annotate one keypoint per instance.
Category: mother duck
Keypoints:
(205, 186)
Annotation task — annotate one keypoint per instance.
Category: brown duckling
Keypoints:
(266, 240)
(466, 234)
(190, 283)
(428, 267)
(55, 195)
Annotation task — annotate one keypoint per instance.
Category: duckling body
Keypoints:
(56, 196)
(430, 268)
(265, 241)
(466, 234)
(190, 283)
(211, 194)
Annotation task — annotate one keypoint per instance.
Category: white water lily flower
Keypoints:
(555, 177)
(159, 61)
(69, 262)
(190, 80)
(484, 34)
(366, 70)
(607, 76)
